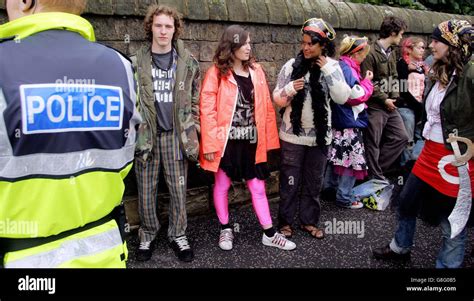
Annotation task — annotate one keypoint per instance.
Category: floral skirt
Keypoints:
(347, 153)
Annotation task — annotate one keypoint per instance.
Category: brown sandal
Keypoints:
(286, 231)
(313, 231)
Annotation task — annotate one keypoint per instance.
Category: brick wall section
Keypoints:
(274, 27)
(274, 24)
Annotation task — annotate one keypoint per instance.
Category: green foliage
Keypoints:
(462, 7)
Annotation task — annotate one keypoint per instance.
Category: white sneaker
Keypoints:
(278, 240)
(225, 239)
(356, 205)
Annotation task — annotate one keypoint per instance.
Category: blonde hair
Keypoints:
(349, 45)
(76, 7)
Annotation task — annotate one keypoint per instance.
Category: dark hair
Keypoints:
(234, 37)
(391, 25)
(156, 10)
(443, 69)
(329, 47)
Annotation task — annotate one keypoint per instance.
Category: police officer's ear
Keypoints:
(20, 8)
(28, 6)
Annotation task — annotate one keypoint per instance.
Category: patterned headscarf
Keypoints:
(317, 25)
(457, 33)
(357, 44)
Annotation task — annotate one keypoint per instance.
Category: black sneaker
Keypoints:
(145, 250)
(386, 253)
(181, 248)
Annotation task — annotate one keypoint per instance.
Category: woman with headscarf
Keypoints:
(305, 88)
(439, 186)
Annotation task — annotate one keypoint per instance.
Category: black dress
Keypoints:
(239, 156)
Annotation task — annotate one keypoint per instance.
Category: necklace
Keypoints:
(169, 64)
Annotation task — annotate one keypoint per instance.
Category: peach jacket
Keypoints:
(217, 108)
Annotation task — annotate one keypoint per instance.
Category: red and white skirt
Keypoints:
(434, 168)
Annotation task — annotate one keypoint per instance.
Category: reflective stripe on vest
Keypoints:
(65, 165)
(83, 244)
(65, 203)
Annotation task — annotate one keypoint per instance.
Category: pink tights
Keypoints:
(259, 199)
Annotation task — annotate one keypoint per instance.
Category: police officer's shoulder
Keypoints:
(119, 52)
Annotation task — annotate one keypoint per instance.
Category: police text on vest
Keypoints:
(56, 108)
(37, 284)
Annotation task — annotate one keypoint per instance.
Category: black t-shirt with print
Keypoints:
(243, 120)
(163, 81)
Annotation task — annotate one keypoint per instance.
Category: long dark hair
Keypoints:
(329, 47)
(443, 69)
(234, 37)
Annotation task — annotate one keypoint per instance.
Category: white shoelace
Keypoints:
(182, 243)
(145, 245)
(226, 236)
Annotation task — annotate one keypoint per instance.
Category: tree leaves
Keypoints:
(462, 7)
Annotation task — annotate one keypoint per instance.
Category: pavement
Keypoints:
(342, 251)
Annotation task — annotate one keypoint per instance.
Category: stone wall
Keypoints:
(275, 33)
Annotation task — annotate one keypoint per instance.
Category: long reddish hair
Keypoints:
(231, 40)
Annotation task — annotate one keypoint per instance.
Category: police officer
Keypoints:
(67, 138)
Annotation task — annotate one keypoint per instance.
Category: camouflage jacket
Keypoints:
(186, 124)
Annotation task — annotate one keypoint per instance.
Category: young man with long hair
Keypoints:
(386, 136)
(169, 82)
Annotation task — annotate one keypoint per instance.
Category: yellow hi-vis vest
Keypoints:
(67, 140)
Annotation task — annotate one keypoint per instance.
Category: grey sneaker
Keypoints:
(279, 241)
(225, 239)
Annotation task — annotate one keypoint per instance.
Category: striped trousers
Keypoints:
(175, 174)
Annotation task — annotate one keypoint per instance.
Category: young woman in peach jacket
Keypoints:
(238, 127)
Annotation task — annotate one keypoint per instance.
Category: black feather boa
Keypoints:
(301, 67)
